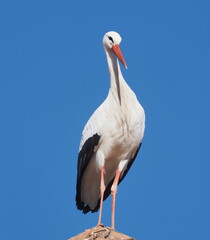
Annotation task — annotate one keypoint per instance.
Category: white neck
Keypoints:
(117, 81)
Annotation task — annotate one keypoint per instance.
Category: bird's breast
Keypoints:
(122, 133)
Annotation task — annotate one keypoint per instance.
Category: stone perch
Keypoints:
(100, 233)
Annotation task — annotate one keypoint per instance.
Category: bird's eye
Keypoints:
(111, 39)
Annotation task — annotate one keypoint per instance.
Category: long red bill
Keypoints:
(117, 51)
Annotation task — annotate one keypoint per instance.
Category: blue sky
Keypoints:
(54, 75)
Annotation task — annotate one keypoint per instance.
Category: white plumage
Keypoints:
(111, 137)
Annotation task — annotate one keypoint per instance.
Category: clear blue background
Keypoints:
(53, 75)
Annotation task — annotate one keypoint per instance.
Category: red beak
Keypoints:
(117, 51)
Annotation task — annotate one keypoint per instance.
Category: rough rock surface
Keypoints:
(99, 233)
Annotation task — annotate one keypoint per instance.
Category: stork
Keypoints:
(111, 138)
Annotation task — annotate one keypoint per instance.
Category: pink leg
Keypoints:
(102, 189)
(114, 191)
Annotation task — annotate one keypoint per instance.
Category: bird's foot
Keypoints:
(100, 225)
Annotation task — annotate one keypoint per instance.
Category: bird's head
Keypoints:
(111, 41)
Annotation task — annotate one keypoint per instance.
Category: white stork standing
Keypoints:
(111, 138)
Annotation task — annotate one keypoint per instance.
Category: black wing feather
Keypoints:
(84, 158)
